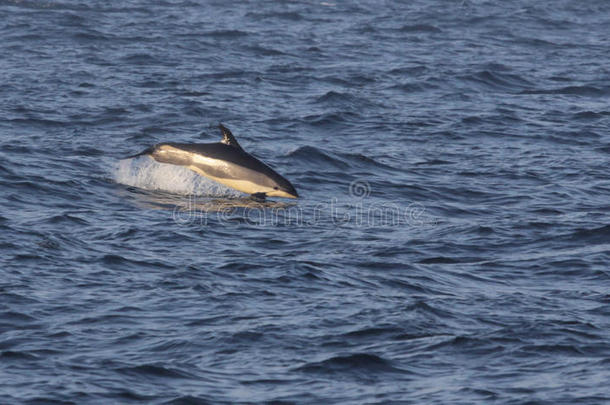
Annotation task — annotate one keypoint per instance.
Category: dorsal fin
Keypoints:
(227, 137)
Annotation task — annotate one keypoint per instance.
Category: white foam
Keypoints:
(147, 174)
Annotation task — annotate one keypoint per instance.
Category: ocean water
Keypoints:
(452, 240)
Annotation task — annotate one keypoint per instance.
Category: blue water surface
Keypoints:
(450, 246)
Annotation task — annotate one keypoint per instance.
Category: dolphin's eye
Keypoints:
(275, 188)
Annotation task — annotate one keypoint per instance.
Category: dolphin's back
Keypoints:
(220, 151)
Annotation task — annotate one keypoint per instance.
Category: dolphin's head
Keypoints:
(282, 188)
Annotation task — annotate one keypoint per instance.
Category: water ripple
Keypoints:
(450, 244)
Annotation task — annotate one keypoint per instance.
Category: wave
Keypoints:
(594, 235)
(335, 97)
(352, 363)
(140, 59)
(420, 28)
(17, 356)
(280, 15)
(572, 90)
(149, 175)
(340, 160)
(155, 370)
(187, 400)
(225, 34)
(264, 50)
(330, 119)
(414, 87)
(311, 154)
(590, 115)
(497, 80)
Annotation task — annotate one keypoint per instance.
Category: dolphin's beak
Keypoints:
(291, 192)
(284, 193)
(292, 195)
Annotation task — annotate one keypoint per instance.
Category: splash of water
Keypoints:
(149, 175)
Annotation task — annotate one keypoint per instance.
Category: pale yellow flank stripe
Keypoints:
(244, 186)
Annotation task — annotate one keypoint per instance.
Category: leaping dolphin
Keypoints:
(225, 162)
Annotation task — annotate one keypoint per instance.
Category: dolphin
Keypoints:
(225, 162)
